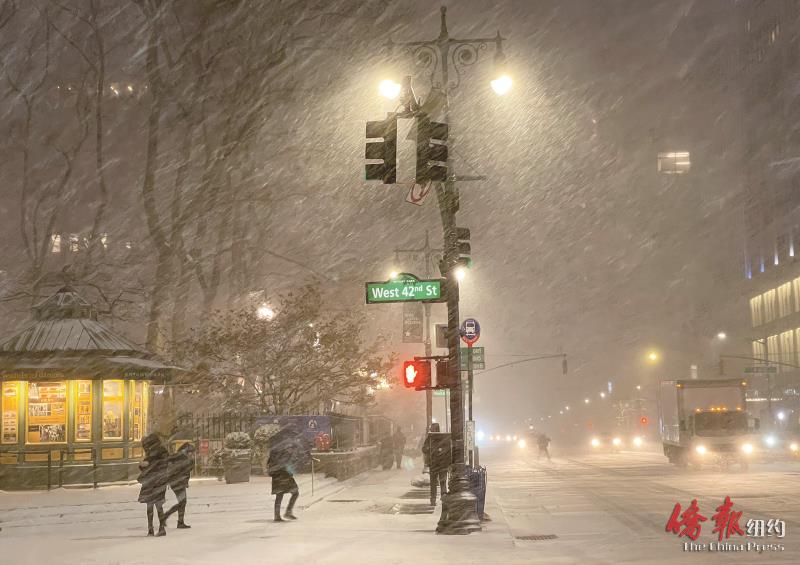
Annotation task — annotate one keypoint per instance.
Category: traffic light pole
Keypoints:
(459, 509)
(428, 253)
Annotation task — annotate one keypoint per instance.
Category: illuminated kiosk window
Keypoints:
(674, 163)
(138, 407)
(47, 412)
(10, 413)
(83, 411)
(112, 409)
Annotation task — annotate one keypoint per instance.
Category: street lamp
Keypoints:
(652, 356)
(602, 395)
(393, 275)
(722, 336)
(502, 83)
(461, 273)
(444, 58)
(586, 401)
(389, 89)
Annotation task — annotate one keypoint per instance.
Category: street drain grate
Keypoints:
(411, 509)
(417, 494)
(345, 500)
(536, 538)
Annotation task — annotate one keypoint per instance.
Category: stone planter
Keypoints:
(237, 469)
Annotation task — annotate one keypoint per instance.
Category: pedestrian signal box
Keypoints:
(417, 374)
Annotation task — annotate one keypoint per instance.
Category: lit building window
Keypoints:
(769, 306)
(74, 242)
(83, 411)
(796, 288)
(112, 409)
(757, 310)
(759, 350)
(10, 413)
(773, 353)
(47, 412)
(674, 162)
(138, 407)
(104, 240)
(785, 299)
(55, 243)
(787, 348)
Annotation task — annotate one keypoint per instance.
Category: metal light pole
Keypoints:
(428, 254)
(459, 511)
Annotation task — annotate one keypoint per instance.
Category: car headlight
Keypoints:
(700, 449)
(521, 443)
(793, 447)
(770, 441)
(637, 441)
(616, 441)
(747, 448)
(595, 442)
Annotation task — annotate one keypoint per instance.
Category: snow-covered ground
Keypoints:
(602, 508)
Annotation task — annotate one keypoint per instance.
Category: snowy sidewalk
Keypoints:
(377, 517)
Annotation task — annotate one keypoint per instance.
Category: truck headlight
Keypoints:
(595, 442)
(747, 448)
(637, 441)
(793, 446)
(700, 449)
(616, 441)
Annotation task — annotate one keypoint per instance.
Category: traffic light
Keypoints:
(417, 374)
(463, 248)
(643, 420)
(721, 367)
(564, 365)
(385, 150)
(431, 150)
(443, 378)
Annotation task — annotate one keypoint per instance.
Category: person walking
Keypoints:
(154, 478)
(386, 451)
(438, 452)
(285, 455)
(398, 446)
(179, 469)
(543, 442)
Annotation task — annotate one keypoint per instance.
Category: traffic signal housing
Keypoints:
(443, 378)
(431, 150)
(463, 248)
(385, 150)
(417, 374)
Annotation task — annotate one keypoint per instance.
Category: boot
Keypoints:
(289, 515)
(183, 525)
(150, 531)
(161, 531)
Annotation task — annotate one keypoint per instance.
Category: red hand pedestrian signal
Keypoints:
(643, 420)
(417, 374)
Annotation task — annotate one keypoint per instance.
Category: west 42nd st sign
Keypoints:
(405, 287)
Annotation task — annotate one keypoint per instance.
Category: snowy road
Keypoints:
(613, 508)
(600, 508)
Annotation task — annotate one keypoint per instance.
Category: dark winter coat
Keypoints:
(287, 454)
(154, 476)
(180, 467)
(543, 441)
(398, 442)
(437, 450)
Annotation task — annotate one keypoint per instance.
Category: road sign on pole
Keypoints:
(470, 331)
(405, 287)
(412, 322)
(478, 359)
(441, 336)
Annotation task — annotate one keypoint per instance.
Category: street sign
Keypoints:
(469, 435)
(478, 359)
(440, 392)
(441, 336)
(470, 331)
(405, 287)
(412, 322)
(761, 369)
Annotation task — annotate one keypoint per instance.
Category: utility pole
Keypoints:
(459, 510)
(428, 254)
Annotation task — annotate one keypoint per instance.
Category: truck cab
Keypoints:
(706, 420)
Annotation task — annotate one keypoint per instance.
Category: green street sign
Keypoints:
(478, 359)
(762, 369)
(440, 392)
(405, 287)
